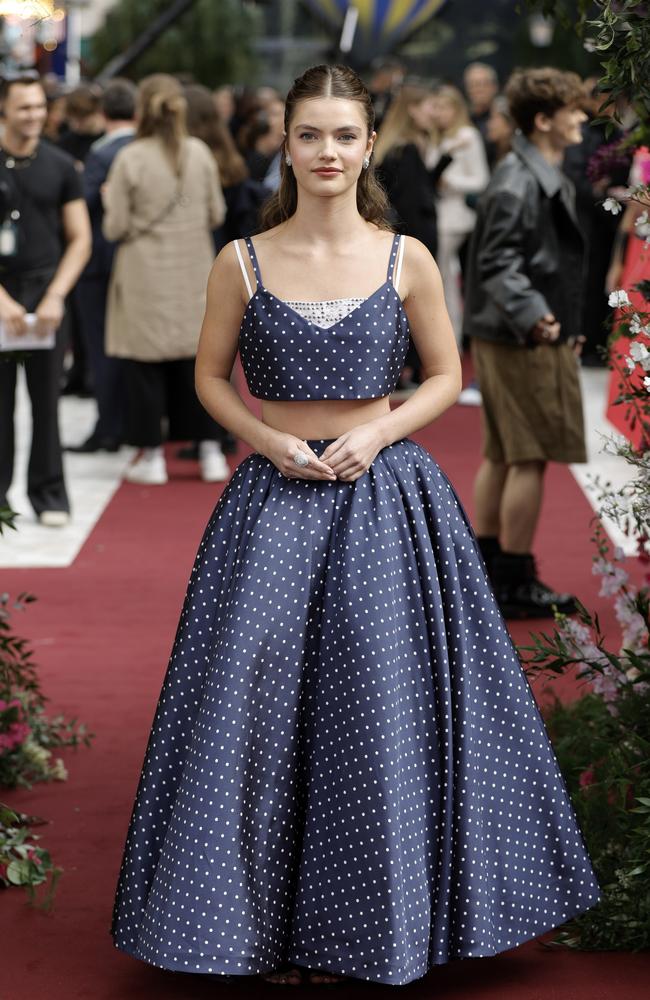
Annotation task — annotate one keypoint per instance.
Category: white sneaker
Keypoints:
(212, 461)
(471, 396)
(54, 518)
(151, 470)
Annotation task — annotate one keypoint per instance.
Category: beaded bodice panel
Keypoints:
(287, 355)
(325, 312)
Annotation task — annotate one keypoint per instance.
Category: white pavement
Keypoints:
(93, 479)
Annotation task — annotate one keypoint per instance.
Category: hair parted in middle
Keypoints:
(161, 110)
(328, 81)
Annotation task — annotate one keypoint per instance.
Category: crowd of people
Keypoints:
(116, 199)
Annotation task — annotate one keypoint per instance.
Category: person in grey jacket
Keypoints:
(118, 106)
(522, 311)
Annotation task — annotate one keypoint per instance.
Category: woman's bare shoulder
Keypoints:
(419, 265)
(226, 262)
(415, 250)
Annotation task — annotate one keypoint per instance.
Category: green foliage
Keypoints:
(7, 518)
(619, 31)
(22, 861)
(602, 742)
(605, 760)
(27, 734)
(211, 41)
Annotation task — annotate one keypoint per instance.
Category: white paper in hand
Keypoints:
(28, 341)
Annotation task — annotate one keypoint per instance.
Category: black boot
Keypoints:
(521, 594)
(490, 549)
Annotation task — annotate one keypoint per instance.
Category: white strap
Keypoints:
(400, 258)
(243, 270)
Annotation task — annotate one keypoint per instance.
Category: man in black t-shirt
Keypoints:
(44, 244)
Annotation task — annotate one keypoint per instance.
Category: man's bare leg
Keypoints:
(488, 491)
(521, 503)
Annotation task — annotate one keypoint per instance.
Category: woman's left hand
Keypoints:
(352, 454)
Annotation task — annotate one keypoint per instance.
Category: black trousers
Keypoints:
(43, 369)
(108, 373)
(159, 390)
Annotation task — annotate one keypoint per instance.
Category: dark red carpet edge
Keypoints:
(102, 632)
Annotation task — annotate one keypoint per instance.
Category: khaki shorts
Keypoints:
(532, 404)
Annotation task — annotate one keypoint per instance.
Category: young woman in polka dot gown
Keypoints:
(347, 769)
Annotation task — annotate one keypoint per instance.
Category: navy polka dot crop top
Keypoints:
(285, 356)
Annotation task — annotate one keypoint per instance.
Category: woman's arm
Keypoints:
(434, 340)
(217, 201)
(217, 352)
(619, 247)
(468, 173)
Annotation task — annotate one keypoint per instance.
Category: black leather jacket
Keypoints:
(526, 257)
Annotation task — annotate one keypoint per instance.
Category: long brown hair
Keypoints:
(162, 114)
(327, 81)
(398, 128)
(204, 122)
(453, 95)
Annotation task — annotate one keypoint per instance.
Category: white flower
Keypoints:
(612, 205)
(639, 354)
(646, 383)
(638, 350)
(641, 220)
(618, 298)
(59, 771)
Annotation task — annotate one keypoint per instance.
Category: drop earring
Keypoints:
(288, 160)
(366, 163)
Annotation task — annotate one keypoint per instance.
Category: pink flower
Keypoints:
(15, 735)
(587, 778)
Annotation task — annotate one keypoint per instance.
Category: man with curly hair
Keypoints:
(522, 312)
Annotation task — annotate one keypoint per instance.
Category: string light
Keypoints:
(27, 9)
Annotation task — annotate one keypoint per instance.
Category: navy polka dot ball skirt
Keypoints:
(347, 768)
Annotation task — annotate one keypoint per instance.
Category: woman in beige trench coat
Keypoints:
(162, 201)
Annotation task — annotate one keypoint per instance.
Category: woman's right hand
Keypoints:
(281, 452)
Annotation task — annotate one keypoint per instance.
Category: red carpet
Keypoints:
(102, 631)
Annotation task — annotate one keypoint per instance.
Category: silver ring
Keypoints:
(301, 459)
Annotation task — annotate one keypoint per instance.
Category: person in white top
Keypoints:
(467, 174)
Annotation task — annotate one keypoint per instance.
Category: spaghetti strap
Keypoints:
(400, 258)
(391, 259)
(254, 261)
(249, 287)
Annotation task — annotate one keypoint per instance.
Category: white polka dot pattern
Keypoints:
(286, 356)
(347, 768)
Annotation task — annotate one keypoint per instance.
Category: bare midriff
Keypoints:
(322, 418)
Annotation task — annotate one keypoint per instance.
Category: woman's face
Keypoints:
(422, 113)
(498, 127)
(444, 112)
(328, 140)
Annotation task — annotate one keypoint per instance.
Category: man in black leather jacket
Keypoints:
(522, 310)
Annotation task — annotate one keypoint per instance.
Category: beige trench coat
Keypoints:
(156, 297)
